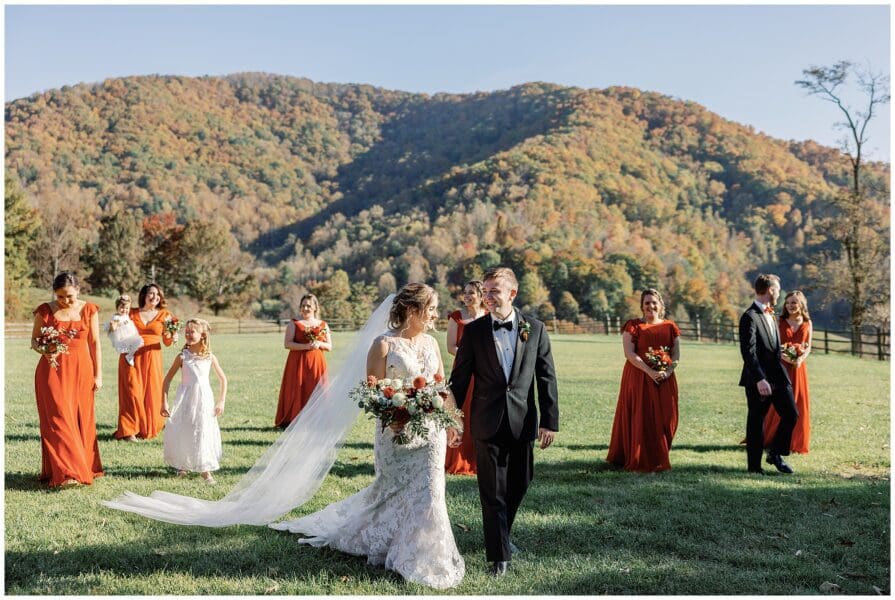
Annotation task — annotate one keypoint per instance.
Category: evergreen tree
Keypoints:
(212, 269)
(20, 228)
(117, 256)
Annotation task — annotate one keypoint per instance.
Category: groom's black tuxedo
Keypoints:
(504, 420)
(760, 349)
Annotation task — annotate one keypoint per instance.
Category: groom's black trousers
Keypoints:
(505, 467)
(783, 402)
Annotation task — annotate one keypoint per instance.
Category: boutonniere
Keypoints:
(524, 330)
(769, 310)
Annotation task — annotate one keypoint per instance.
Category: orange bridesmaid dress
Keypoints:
(801, 435)
(646, 415)
(69, 448)
(461, 460)
(140, 386)
(304, 368)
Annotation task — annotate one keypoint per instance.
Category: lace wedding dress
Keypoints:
(400, 521)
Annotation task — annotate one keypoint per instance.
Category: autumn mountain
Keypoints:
(591, 193)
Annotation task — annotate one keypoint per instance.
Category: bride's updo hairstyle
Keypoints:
(413, 298)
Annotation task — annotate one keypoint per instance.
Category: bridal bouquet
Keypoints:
(412, 403)
(172, 326)
(793, 351)
(52, 341)
(659, 359)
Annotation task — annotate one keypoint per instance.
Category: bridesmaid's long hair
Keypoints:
(653, 292)
(803, 305)
(204, 344)
(141, 298)
(412, 298)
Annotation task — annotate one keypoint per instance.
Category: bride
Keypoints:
(400, 521)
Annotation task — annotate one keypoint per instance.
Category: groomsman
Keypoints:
(509, 355)
(764, 378)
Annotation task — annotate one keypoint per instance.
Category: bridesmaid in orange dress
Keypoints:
(646, 415)
(306, 339)
(795, 329)
(140, 386)
(461, 460)
(65, 393)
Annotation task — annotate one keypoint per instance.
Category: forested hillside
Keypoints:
(245, 190)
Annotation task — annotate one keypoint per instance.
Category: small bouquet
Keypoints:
(52, 341)
(394, 402)
(659, 359)
(172, 326)
(793, 351)
(318, 334)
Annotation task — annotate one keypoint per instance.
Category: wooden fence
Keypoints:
(874, 342)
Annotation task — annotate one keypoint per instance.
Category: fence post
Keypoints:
(618, 324)
(879, 343)
(717, 330)
(606, 323)
(826, 341)
(698, 330)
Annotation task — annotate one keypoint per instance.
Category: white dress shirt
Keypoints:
(505, 342)
(769, 319)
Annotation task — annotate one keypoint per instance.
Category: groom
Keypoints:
(765, 378)
(509, 355)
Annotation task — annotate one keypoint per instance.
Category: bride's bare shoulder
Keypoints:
(380, 345)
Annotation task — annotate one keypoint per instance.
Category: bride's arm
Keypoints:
(376, 357)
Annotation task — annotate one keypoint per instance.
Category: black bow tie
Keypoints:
(508, 325)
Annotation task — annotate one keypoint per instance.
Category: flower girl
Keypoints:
(192, 436)
(122, 331)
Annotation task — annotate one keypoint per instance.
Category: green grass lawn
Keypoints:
(705, 527)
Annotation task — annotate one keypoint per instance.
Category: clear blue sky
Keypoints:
(738, 61)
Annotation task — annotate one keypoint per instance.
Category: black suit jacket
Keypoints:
(493, 396)
(761, 350)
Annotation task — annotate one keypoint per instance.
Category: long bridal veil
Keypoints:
(292, 469)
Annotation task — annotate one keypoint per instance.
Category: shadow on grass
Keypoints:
(23, 482)
(22, 437)
(164, 550)
(709, 448)
(163, 472)
(261, 428)
(359, 445)
(641, 534)
(244, 442)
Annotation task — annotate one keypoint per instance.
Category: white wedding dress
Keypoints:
(400, 521)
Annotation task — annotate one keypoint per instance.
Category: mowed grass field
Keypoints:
(705, 527)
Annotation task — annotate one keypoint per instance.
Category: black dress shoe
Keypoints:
(514, 549)
(499, 568)
(777, 461)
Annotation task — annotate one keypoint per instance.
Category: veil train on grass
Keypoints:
(289, 473)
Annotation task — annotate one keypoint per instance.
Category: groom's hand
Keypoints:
(546, 437)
